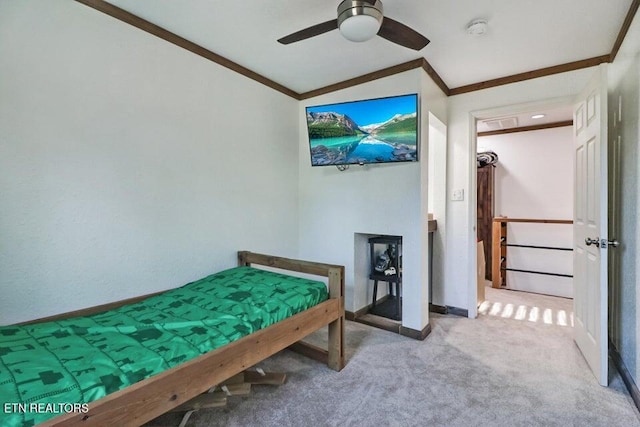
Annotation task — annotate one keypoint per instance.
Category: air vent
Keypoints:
(498, 124)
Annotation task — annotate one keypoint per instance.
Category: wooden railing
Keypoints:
(499, 249)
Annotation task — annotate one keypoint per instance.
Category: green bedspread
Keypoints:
(47, 367)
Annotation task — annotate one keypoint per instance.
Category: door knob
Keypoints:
(589, 241)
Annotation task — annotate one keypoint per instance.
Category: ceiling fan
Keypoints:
(361, 20)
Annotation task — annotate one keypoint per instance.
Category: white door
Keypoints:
(590, 224)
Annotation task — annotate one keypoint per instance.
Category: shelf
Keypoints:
(387, 240)
(381, 277)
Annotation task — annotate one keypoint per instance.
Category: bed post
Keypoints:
(333, 356)
(242, 259)
(336, 328)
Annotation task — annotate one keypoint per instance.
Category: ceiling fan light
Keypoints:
(359, 28)
(359, 21)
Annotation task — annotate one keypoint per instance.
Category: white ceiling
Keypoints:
(551, 115)
(523, 35)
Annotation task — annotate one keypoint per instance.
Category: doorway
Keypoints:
(525, 184)
(477, 117)
(590, 229)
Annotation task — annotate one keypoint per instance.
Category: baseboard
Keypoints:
(625, 374)
(380, 323)
(440, 309)
(415, 334)
(462, 312)
(360, 316)
(350, 315)
(447, 309)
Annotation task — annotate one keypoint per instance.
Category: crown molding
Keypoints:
(625, 28)
(144, 25)
(435, 77)
(527, 128)
(542, 72)
(385, 72)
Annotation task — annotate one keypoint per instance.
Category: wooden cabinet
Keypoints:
(486, 182)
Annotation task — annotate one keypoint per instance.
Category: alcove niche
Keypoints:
(364, 286)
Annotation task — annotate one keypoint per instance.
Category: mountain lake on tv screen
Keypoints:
(336, 139)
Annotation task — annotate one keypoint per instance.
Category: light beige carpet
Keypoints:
(528, 307)
(498, 370)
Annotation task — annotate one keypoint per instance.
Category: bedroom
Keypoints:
(137, 199)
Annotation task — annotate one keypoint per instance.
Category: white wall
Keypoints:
(461, 173)
(129, 165)
(534, 179)
(624, 167)
(371, 199)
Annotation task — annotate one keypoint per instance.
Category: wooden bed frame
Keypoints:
(150, 398)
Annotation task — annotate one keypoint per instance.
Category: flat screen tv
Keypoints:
(377, 130)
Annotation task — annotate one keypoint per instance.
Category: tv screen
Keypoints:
(370, 131)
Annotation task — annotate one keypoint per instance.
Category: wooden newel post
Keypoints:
(499, 253)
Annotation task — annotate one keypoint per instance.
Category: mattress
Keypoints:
(54, 367)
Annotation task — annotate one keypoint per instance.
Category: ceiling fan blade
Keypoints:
(400, 34)
(313, 31)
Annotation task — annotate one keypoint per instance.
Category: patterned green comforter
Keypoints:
(46, 368)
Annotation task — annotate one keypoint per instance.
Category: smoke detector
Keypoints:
(477, 27)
